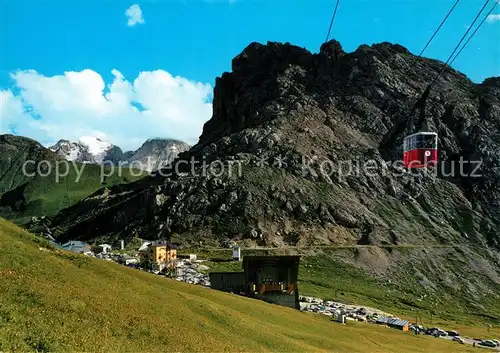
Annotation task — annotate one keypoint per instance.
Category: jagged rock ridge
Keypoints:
(152, 155)
(294, 126)
(157, 153)
(283, 101)
(87, 149)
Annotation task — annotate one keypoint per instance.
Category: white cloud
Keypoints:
(126, 113)
(134, 15)
(493, 18)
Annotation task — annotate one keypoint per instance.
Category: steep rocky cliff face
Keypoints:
(297, 124)
(16, 154)
(15, 151)
(304, 150)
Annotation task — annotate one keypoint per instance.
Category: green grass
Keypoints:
(57, 301)
(323, 275)
(48, 195)
(45, 181)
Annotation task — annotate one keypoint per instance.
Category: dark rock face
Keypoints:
(128, 154)
(296, 125)
(15, 151)
(15, 199)
(114, 155)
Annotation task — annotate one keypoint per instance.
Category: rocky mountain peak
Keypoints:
(308, 148)
(72, 151)
(88, 149)
(294, 120)
(155, 153)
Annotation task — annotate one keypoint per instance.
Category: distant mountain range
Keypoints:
(24, 193)
(28, 194)
(152, 155)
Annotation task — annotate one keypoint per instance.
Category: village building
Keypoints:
(190, 257)
(145, 245)
(128, 260)
(158, 256)
(77, 247)
(270, 278)
(403, 325)
(105, 248)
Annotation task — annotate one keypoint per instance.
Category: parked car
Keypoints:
(361, 311)
(440, 333)
(452, 333)
(497, 342)
(430, 331)
(458, 339)
(488, 343)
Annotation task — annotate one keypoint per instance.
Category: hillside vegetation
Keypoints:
(24, 195)
(325, 272)
(316, 141)
(57, 301)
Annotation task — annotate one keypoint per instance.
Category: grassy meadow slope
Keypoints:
(57, 301)
(327, 273)
(24, 195)
(45, 196)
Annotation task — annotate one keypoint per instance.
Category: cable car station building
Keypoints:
(273, 279)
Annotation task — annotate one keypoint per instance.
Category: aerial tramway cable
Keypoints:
(423, 50)
(445, 66)
(495, 3)
(331, 22)
(409, 151)
(437, 30)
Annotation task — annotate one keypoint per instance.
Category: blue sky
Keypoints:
(194, 41)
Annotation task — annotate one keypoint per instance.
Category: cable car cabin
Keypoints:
(420, 150)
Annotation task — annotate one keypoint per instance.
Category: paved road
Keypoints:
(471, 341)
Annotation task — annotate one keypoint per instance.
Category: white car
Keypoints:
(441, 333)
(488, 343)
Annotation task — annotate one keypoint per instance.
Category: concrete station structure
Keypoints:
(273, 279)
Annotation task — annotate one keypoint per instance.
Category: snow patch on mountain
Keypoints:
(72, 151)
(87, 149)
(152, 155)
(97, 148)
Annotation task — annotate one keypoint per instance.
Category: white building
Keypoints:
(105, 248)
(236, 253)
(144, 246)
(190, 257)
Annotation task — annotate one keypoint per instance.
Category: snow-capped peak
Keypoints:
(72, 151)
(152, 155)
(87, 149)
(96, 147)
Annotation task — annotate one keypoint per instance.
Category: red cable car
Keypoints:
(420, 150)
